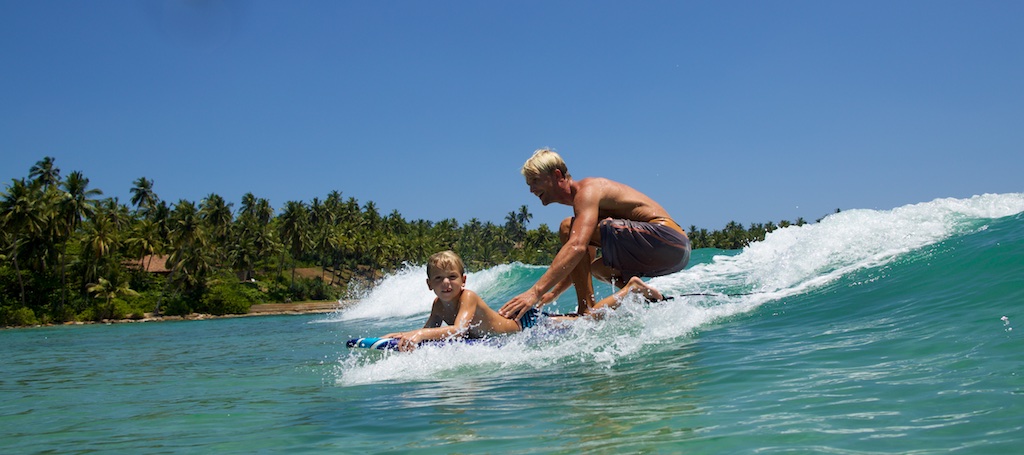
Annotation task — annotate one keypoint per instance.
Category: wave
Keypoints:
(835, 255)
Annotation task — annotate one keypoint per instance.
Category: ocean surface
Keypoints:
(872, 332)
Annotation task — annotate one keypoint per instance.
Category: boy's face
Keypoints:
(446, 283)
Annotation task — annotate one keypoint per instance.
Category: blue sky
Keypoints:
(722, 111)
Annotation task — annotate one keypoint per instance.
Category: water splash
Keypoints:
(790, 261)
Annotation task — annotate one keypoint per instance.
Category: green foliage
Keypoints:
(177, 305)
(226, 298)
(283, 289)
(735, 236)
(114, 309)
(17, 316)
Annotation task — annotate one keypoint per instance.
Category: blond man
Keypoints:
(637, 236)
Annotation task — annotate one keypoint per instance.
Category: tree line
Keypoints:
(67, 253)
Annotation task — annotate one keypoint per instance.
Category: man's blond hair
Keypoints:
(543, 161)
(445, 260)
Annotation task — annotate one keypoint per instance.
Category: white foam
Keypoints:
(401, 294)
(793, 259)
(790, 261)
(405, 293)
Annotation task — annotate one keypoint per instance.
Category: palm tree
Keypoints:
(143, 197)
(217, 218)
(334, 205)
(244, 252)
(161, 215)
(41, 248)
(350, 212)
(248, 205)
(294, 230)
(20, 218)
(77, 204)
(512, 226)
(371, 216)
(344, 242)
(98, 243)
(263, 211)
(45, 173)
(145, 240)
(254, 237)
(190, 260)
(524, 216)
(110, 290)
(118, 214)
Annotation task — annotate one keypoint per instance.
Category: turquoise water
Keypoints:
(892, 331)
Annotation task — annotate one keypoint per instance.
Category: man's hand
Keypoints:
(519, 305)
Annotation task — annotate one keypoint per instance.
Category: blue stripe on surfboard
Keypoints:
(373, 343)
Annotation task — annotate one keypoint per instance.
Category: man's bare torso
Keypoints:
(618, 200)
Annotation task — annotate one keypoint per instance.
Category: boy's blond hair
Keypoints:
(543, 161)
(445, 260)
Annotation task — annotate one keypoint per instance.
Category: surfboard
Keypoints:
(537, 332)
(536, 335)
(391, 344)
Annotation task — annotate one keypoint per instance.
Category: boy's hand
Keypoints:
(407, 341)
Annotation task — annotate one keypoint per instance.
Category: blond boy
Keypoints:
(463, 310)
(468, 316)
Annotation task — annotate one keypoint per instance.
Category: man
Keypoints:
(636, 235)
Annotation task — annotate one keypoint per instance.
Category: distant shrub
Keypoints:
(176, 306)
(226, 298)
(17, 317)
(320, 290)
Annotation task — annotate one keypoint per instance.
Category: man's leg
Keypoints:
(584, 287)
(580, 274)
(604, 273)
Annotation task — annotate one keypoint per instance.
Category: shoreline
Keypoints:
(262, 309)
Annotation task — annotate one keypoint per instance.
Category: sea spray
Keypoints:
(796, 258)
(792, 261)
(404, 294)
(401, 294)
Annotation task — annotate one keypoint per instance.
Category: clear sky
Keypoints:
(744, 111)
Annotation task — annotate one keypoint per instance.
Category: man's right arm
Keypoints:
(575, 249)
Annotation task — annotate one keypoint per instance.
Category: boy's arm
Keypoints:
(467, 311)
(436, 318)
(468, 304)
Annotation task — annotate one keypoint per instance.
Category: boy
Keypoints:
(467, 315)
(462, 309)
